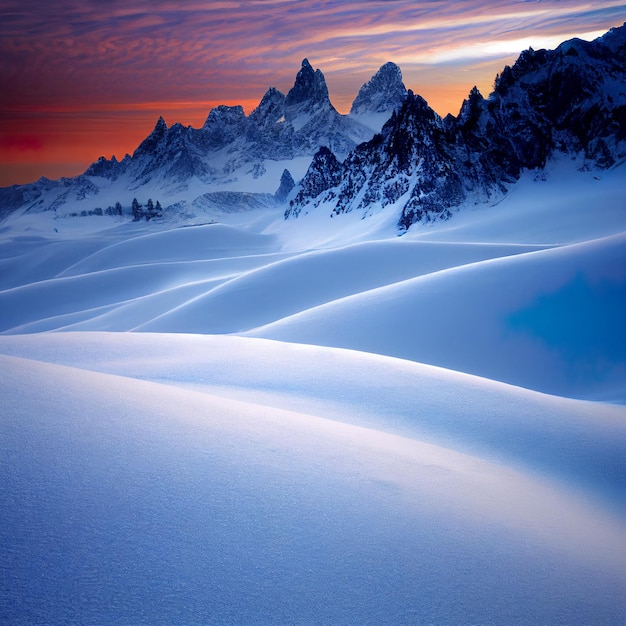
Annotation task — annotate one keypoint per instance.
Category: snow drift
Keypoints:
(130, 500)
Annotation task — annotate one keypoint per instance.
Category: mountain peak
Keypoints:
(225, 115)
(270, 109)
(384, 93)
(380, 97)
(149, 144)
(308, 92)
(472, 106)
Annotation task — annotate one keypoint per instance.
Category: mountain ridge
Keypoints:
(570, 100)
(281, 128)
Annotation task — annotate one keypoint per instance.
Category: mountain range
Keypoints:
(571, 100)
(297, 151)
(213, 414)
(187, 165)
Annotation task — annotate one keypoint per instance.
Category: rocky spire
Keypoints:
(286, 185)
(384, 93)
(308, 94)
(270, 109)
(150, 143)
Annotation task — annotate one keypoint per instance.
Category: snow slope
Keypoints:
(258, 453)
(133, 501)
(550, 320)
(515, 292)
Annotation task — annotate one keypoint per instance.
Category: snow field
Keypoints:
(473, 415)
(260, 472)
(136, 501)
(548, 320)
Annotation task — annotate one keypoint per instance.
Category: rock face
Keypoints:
(270, 110)
(571, 100)
(309, 94)
(287, 183)
(324, 172)
(379, 97)
(384, 93)
(413, 160)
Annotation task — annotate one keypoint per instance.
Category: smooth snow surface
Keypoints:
(140, 501)
(318, 421)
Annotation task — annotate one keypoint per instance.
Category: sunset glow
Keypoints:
(80, 80)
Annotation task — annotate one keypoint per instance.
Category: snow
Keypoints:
(315, 420)
(549, 320)
(373, 121)
(560, 204)
(152, 502)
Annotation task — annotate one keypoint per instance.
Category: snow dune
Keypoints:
(132, 501)
(549, 320)
(312, 426)
(307, 280)
(209, 241)
(474, 415)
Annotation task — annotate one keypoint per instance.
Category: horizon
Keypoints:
(86, 81)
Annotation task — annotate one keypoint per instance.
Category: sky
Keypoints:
(83, 78)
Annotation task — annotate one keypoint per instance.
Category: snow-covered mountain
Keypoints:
(383, 94)
(231, 417)
(230, 152)
(570, 100)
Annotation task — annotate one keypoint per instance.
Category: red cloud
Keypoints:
(21, 143)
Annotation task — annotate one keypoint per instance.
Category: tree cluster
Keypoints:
(148, 212)
(116, 210)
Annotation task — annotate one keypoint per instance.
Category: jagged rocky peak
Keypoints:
(615, 40)
(308, 93)
(384, 93)
(409, 162)
(224, 125)
(270, 110)
(160, 126)
(287, 183)
(473, 111)
(472, 104)
(414, 115)
(106, 168)
(150, 143)
(324, 172)
(571, 99)
(225, 115)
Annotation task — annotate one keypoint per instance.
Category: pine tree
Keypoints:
(137, 211)
(118, 208)
(149, 212)
(158, 210)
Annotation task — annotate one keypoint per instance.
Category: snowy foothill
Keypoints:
(223, 419)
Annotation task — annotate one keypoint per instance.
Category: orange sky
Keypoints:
(80, 80)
